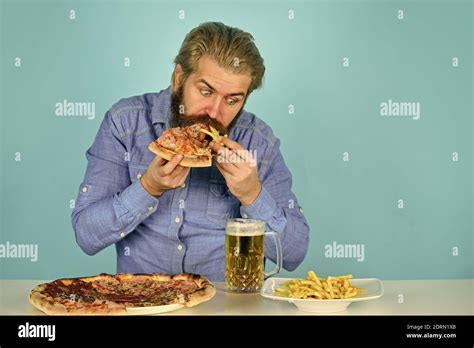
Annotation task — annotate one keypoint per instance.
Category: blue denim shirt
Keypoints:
(184, 229)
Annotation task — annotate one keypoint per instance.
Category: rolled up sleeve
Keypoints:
(108, 206)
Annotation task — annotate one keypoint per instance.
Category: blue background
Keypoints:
(336, 110)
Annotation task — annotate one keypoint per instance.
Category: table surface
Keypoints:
(420, 297)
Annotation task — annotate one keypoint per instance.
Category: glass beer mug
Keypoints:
(244, 253)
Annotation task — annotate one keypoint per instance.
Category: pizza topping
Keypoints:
(194, 131)
(106, 293)
(167, 140)
(189, 140)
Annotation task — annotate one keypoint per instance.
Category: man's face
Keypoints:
(211, 93)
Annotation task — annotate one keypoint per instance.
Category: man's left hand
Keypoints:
(239, 169)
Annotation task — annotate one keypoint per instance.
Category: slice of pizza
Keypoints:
(192, 142)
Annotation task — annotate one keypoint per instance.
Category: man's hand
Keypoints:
(239, 169)
(162, 175)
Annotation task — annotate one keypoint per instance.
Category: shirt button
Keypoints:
(139, 175)
(150, 209)
(84, 189)
(122, 234)
(177, 220)
(179, 247)
(183, 185)
(245, 216)
(301, 210)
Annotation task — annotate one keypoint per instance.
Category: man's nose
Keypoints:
(213, 108)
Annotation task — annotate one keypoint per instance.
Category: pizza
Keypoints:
(191, 141)
(112, 294)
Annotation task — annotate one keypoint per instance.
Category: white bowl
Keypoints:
(373, 286)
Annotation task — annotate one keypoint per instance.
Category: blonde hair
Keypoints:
(231, 48)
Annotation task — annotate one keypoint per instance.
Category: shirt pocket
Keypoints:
(221, 203)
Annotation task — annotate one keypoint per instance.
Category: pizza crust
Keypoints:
(187, 161)
(47, 305)
(206, 289)
(202, 295)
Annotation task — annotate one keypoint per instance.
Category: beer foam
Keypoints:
(245, 227)
(245, 232)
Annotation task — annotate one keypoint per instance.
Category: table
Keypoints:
(420, 297)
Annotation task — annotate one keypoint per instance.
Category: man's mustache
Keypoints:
(185, 121)
(180, 119)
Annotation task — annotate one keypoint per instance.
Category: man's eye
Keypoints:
(231, 101)
(205, 92)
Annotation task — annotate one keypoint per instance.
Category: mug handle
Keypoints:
(277, 269)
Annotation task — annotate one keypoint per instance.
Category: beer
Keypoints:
(244, 261)
(244, 267)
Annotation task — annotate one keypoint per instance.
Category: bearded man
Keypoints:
(166, 218)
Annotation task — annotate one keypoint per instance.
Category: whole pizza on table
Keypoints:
(113, 294)
(191, 141)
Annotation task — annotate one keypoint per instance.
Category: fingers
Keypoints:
(169, 167)
(183, 175)
(227, 169)
(180, 172)
(233, 145)
(162, 175)
(224, 154)
(158, 161)
(216, 147)
(174, 173)
(228, 160)
(233, 159)
(226, 143)
(231, 150)
(178, 177)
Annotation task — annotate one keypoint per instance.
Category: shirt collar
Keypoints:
(161, 110)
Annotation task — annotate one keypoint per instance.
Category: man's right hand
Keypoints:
(162, 175)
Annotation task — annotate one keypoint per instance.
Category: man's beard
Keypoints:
(179, 119)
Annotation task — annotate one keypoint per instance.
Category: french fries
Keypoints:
(214, 134)
(314, 287)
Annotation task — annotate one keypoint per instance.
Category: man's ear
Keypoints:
(177, 76)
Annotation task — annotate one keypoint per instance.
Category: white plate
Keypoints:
(374, 290)
(153, 309)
